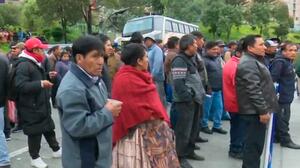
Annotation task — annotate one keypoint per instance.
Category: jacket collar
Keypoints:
(82, 76)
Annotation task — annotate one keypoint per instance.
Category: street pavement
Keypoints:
(215, 151)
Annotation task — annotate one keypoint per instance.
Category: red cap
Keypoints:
(34, 43)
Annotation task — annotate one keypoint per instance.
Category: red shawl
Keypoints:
(140, 98)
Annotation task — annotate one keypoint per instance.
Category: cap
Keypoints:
(34, 43)
(150, 37)
(270, 43)
(220, 43)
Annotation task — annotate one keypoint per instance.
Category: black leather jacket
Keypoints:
(255, 90)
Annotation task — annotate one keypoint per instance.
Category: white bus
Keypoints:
(158, 27)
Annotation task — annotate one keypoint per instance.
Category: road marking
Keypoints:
(18, 152)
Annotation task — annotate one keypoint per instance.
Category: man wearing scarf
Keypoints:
(33, 101)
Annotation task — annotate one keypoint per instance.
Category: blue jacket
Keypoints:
(282, 71)
(86, 124)
(156, 63)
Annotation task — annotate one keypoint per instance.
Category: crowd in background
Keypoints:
(145, 105)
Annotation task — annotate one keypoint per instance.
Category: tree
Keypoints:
(186, 10)
(31, 18)
(10, 14)
(68, 12)
(259, 15)
(237, 2)
(230, 16)
(282, 31)
(281, 13)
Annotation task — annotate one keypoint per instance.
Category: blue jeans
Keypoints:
(4, 158)
(237, 133)
(213, 105)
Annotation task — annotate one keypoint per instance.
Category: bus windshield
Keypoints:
(143, 25)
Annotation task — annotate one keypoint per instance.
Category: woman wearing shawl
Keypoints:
(141, 134)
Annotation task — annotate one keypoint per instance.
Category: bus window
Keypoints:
(186, 28)
(142, 25)
(168, 26)
(181, 28)
(175, 27)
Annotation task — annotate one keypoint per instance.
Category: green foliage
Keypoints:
(57, 34)
(259, 15)
(237, 2)
(221, 17)
(10, 14)
(186, 10)
(280, 14)
(31, 18)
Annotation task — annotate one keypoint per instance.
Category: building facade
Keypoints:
(294, 11)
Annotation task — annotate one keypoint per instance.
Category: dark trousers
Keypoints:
(255, 139)
(282, 123)
(237, 133)
(187, 127)
(54, 92)
(7, 125)
(34, 143)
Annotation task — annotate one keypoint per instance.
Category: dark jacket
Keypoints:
(187, 85)
(3, 79)
(282, 72)
(255, 90)
(268, 59)
(214, 72)
(33, 100)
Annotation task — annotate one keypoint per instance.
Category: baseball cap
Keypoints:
(150, 37)
(34, 43)
(220, 43)
(270, 43)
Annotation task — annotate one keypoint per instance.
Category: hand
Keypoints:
(264, 118)
(52, 74)
(114, 108)
(46, 84)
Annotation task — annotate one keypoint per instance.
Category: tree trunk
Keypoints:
(89, 20)
(64, 27)
(261, 30)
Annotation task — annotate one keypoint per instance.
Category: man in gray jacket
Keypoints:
(86, 114)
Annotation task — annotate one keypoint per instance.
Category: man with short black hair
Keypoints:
(282, 71)
(187, 96)
(256, 98)
(213, 103)
(85, 111)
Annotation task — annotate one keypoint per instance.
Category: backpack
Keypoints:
(12, 93)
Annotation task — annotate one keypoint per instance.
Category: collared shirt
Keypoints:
(156, 62)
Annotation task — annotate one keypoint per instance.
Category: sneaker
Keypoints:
(185, 164)
(206, 130)
(7, 137)
(57, 154)
(16, 129)
(219, 130)
(236, 155)
(38, 163)
(194, 156)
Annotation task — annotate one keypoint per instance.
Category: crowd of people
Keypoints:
(19, 35)
(144, 107)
